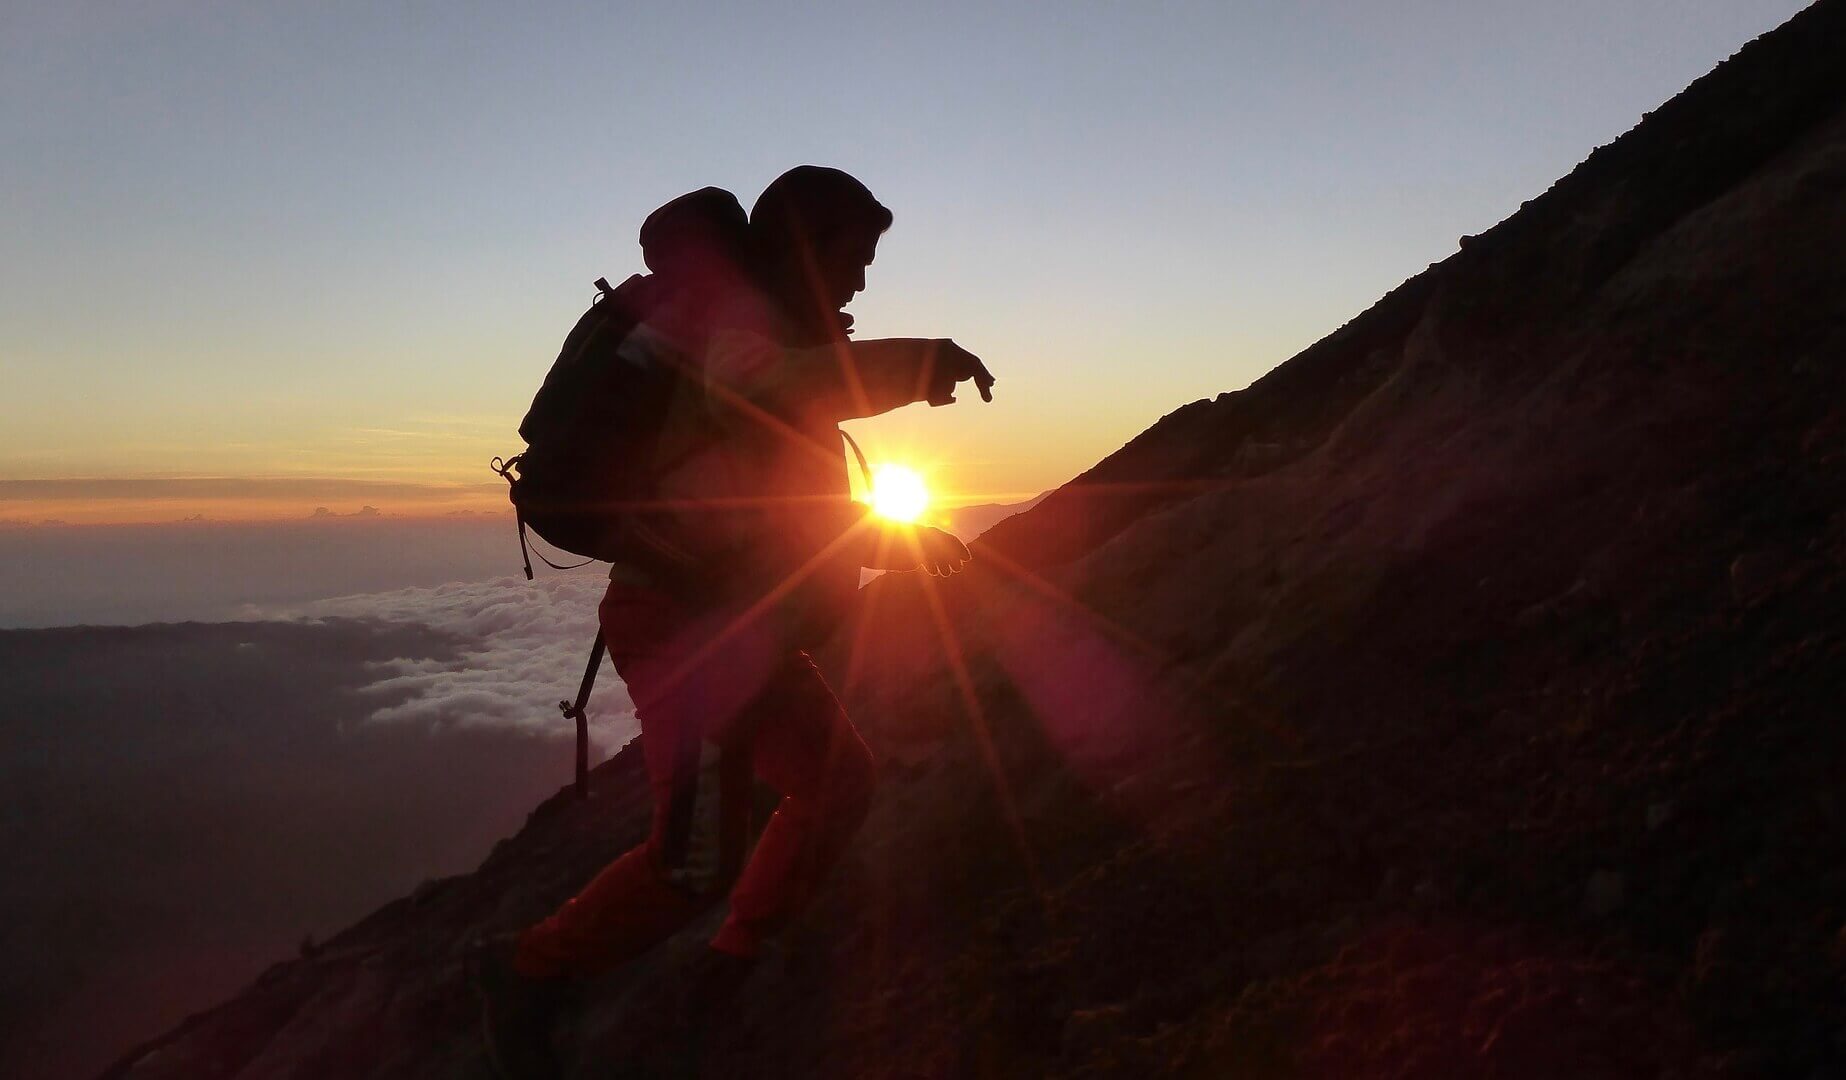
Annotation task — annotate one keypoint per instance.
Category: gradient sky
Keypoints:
(263, 257)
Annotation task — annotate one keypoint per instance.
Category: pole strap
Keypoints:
(574, 711)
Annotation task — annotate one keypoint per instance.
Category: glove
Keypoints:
(939, 552)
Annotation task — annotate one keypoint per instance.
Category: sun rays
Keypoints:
(1130, 673)
(898, 493)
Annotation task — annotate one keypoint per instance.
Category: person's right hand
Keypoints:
(940, 553)
(955, 364)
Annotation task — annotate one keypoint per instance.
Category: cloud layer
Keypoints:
(522, 648)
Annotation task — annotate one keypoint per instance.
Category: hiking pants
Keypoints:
(749, 694)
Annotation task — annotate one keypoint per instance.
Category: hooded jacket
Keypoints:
(751, 461)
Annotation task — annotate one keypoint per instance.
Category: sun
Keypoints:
(898, 493)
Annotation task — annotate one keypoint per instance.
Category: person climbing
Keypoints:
(764, 546)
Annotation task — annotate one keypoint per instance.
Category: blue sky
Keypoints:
(342, 241)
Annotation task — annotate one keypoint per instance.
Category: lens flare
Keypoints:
(898, 493)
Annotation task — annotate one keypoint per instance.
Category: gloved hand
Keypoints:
(953, 364)
(939, 552)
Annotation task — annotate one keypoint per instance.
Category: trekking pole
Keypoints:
(575, 712)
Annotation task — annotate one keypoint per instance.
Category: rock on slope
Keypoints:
(1461, 698)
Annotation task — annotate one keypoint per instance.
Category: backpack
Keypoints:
(586, 475)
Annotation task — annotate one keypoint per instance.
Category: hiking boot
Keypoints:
(516, 1013)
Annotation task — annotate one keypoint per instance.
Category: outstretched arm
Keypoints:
(845, 381)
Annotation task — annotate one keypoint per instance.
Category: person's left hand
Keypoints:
(954, 364)
(941, 553)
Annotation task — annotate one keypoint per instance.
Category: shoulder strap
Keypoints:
(864, 469)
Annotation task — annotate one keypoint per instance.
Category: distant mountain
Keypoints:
(1460, 699)
(969, 522)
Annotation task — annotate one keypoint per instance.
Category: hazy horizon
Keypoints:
(66, 574)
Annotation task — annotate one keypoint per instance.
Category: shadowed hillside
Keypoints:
(1461, 698)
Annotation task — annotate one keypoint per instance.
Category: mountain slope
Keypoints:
(1460, 698)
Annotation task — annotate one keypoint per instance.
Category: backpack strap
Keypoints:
(864, 469)
(574, 710)
(505, 469)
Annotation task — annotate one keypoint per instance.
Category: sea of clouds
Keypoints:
(522, 648)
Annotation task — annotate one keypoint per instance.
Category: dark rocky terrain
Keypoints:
(1462, 698)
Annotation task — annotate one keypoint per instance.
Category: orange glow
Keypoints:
(898, 493)
(156, 500)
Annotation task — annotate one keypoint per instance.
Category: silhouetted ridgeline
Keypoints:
(1558, 250)
(1460, 698)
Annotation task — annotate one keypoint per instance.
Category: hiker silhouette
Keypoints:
(739, 549)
